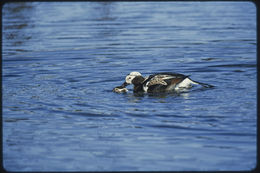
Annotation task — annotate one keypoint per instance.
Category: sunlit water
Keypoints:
(62, 60)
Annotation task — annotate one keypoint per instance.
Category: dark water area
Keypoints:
(61, 60)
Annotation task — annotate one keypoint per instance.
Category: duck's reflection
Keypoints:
(16, 19)
(160, 97)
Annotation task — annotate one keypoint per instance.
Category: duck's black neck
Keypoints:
(138, 83)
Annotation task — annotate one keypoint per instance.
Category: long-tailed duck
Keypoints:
(159, 82)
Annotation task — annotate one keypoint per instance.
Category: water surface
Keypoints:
(61, 60)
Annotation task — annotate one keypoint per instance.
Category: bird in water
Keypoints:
(159, 82)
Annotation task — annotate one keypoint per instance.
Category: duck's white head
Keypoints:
(131, 76)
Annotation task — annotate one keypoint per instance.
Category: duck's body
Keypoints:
(160, 82)
(163, 82)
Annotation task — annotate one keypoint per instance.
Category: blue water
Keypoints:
(61, 60)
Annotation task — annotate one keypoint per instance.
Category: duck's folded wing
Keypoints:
(162, 79)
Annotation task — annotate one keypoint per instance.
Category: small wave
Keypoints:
(234, 65)
(175, 127)
(89, 114)
(11, 120)
(12, 75)
(233, 134)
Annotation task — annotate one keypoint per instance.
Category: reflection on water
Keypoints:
(61, 61)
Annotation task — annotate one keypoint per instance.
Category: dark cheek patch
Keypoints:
(137, 80)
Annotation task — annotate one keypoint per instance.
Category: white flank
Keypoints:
(186, 83)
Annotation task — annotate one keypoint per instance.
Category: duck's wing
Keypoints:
(173, 75)
(163, 78)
